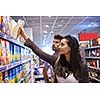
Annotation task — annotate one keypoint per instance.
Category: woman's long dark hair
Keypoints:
(75, 61)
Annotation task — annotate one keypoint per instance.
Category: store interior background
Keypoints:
(43, 28)
(19, 64)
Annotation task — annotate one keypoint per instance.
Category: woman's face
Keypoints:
(64, 48)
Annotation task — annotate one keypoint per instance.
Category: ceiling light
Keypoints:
(93, 24)
(49, 16)
(47, 25)
(45, 32)
(45, 36)
(60, 25)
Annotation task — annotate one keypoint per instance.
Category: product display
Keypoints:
(16, 60)
(93, 59)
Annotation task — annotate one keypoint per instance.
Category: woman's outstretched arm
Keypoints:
(29, 43)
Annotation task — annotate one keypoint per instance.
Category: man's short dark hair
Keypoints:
(58, 37)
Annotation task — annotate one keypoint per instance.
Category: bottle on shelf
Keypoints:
(19, 24)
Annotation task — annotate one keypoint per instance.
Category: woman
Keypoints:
(68, 67)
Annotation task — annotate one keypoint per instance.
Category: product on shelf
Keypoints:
(98, 52)
(1, 20)
(3, 52)
(7, 52)
(1, 77)
(6, 80)
(12, 53)
(4, 25)
(12, 27)
(94, 42)
(10, 75)
(19, 24)
(17, 52)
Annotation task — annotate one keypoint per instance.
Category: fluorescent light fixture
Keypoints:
(49, 16)
(47, 25)
(60, 25)
(93, 24)
(45, 32)
(45, 36)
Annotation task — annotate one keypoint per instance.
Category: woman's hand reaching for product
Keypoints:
(21, 32)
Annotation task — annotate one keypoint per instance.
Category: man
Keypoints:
(55, 45)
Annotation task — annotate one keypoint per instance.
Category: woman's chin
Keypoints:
(61, 53)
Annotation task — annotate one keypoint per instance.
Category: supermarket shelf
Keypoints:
(8, 38)
(25, 76)
(94, 68)
(94, 78)
(12, 65)
(97, 58)
(94, 47)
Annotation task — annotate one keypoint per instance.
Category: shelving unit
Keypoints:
(93, 61)
(16, 61)
(94, 79)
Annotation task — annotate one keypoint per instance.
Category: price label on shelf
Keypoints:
(2, 68)
(8, 66)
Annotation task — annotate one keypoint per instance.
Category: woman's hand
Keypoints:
(21, 32)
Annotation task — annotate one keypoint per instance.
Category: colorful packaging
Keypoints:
(1, 23)
(6, 24)
(10, 74)
(6, 79)
(3, 52)
(22, 53)
(12, 53)
(12, 27)
(11, 77)
(7, 52)
(16, 52)
(0, 51)
(1, 77)
(19, 24)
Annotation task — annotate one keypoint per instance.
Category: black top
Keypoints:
(51, 59)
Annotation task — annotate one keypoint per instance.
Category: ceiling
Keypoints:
(45, 27)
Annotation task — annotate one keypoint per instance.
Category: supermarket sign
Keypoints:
(87, 36)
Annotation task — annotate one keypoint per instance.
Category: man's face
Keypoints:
(55, 44)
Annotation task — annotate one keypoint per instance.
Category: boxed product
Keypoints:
(1, 77)
(15, 27)
(12, 53)
(12, 27)
(3, 42)
(6, 79)
(7, 52)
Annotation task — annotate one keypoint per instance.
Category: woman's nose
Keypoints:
(59, 46)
